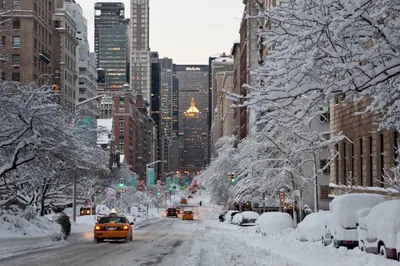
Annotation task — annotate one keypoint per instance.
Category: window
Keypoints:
(16, 4)
(16, 60)
(337, 164)
(344, 164)
(322, 164)
(371, 183)
(3, 75)
(324, 118)
(3, 40)
(324, 192)
(361, 162)
(16, 24)
(16, 76)
(3, 4)
(352, 163)
(396, 147)
(16, 41)
(382, 159)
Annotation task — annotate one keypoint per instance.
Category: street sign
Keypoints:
(168, 183)
(85, 203)
(150, 176)
(133, 181)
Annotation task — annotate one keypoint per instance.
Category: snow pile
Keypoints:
(247, 217)
(102, 210)
(383, 222)
(270, 222)
(312, 227)
(344, 208)
(17, 223)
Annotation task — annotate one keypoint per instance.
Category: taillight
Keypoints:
(88, 212)
(97, 227)
(125, 227)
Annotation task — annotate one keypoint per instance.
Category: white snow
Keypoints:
(344, 208)
(312, 227)
(106, 126)
(383, 222)
(270, 222)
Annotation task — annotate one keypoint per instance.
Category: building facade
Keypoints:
(194, 143)
(111, 42)
(221, 79)
(361, 160)
(86, 61)
(26, 49)
(156, 104)
(235, 53)
(140, 49)
(193, 83)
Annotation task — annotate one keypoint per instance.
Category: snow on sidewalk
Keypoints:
(285, 245)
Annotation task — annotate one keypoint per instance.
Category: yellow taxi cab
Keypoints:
(112, 227)
(183, 201)
(187, 215)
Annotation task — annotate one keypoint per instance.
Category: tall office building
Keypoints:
(140, 50)
(194, 144)
(111, 42)
(193, 83)
(156, 102)
(87, 84)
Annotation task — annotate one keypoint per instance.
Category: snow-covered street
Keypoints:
(202, 242)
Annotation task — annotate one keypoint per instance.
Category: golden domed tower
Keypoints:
(192, 111)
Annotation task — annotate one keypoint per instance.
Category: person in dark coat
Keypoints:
(200, 203)
(221, 218)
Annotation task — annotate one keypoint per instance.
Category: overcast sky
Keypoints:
(188, 31)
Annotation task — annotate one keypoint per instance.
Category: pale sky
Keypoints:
(188, 31)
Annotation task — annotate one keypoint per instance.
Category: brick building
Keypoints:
(362, 158)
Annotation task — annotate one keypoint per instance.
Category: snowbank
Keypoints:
(16, 224)
(312, 227)
(270, 222)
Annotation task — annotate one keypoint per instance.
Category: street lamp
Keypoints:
(147, 189)
(74, 178)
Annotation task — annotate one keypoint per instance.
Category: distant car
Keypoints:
(113, 227)
(172, 212)
(190, 197)
(87, 211)
(187, 215)
(183, 201)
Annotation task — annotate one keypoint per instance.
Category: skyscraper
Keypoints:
(193, 83)
(194, 144)
(140, 50)
(111, 41)
(156, 101)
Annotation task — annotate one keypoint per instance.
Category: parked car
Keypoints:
(378, 231)
(342, 221)
(229, 215)
(247, 218)
(270, 222)
(312, 227)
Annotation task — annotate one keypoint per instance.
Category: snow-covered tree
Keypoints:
(215, 177)
(340, 48)
(41, 149)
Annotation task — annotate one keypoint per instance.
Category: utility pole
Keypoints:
(74, 199)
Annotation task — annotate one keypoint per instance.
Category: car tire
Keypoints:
(382, 251)
(98, 240)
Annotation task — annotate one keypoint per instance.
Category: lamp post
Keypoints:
(147, 188)
(74, 178)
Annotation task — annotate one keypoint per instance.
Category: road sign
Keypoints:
(85, 203)
(150, 176)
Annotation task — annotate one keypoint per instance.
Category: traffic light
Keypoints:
(121, 183)
(158, 193)
(233, 180)
(230, 177)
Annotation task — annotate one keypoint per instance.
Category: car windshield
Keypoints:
(172, 210)
(187, 212)
(117, 220)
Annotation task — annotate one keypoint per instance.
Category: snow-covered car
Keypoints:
(378, 231)
(342, 221)
(229, 215)
(247, 218)
(312, 227)
(270, 222)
